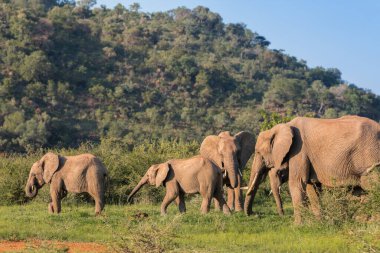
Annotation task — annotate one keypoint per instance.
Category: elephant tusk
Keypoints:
(370, 169)
(253, 183)
(270, 193)
(225, 174)
(240, 173)
(244, 188)
(33, 187)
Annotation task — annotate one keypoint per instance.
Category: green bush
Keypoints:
(125, 169)
(14, 171)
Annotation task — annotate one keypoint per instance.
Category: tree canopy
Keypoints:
(71, 72)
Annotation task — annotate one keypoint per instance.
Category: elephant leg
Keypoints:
(297, 193)
(180, 201)
(238, 195)
(99, 201)
(206, 202)
(230, 197)
(55, 204)
(218, 196)
(217, 204)
(50, 208)
(314, 200)
(275, 184)
(169, 198)
(96, 191)
(207, 192)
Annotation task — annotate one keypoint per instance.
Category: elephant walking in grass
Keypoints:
(77, 174)
(231, 154)
(332, 152)
(181, 176)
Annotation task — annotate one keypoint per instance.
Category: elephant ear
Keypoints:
(283, 139)
(209, 149)
(247, 145)
(162, 173)
(50, 164)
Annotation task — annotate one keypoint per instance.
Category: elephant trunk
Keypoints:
(142, 182)
(257, 176)
(31, 188)
(275, 184)
(232, 168)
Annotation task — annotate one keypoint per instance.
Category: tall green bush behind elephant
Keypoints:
(125, 167)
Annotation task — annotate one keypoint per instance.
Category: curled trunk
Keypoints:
(31, 189)
(142, 182)
(258, 173)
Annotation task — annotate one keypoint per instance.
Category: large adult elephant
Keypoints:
(333, 152)
(231, 154)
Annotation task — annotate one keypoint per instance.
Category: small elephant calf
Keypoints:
(77, 174)
(180, 176)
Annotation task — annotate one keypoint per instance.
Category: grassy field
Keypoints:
(140, 228)
(125, 229)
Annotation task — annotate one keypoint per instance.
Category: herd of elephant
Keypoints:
(306, 152)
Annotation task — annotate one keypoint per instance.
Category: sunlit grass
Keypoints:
(192, 231)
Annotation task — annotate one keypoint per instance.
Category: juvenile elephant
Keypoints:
(231, 154)
(180, 176)
(332, 152)
(81, 173)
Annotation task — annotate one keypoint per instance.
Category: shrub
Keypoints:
(125, 168)
(147, 236)
(14, 171)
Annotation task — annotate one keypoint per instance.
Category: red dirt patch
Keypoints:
(71, 247)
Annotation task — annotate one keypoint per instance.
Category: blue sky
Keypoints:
(343, 34)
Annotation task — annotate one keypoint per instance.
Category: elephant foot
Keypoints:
(239, 209)
(226, 210)
(163, 213)
(50, 208)
(297, 221)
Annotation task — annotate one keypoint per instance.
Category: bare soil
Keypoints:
(70, 247)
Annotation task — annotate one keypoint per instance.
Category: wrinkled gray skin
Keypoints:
(231, 154)
(332, 152)
(77, 174)
(180, 176)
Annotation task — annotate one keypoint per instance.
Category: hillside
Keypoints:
(70, 73)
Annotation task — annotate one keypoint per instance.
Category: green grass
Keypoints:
(192, 232)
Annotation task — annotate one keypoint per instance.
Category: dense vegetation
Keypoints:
(347, 224)
(125, 170)
(71, 72)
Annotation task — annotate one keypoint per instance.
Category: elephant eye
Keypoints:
(222, 164)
